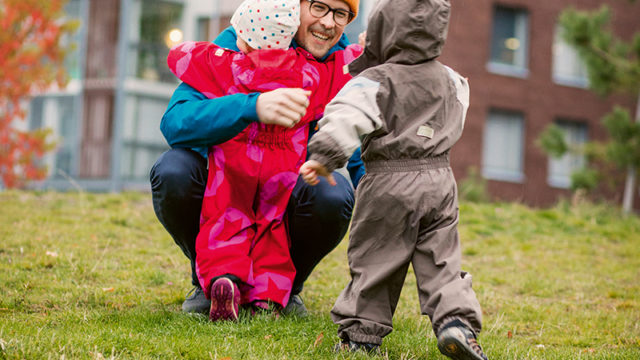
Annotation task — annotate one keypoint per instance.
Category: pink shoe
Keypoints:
(225, 298)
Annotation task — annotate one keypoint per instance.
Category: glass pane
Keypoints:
(35, 112)
(503, 146)
(509, 41)
(59, 114)
(142, 140)
(203, 29)
(560, 169)
(156, 30)
(568, 67)
(73, 10)
(66, 134)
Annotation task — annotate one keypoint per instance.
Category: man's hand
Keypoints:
(284, 106)
(312, 169)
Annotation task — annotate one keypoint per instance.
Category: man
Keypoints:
(318, 216)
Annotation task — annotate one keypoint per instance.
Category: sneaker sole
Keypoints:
(223, 300)
(454, 345)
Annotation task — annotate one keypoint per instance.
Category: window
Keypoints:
(568, 67)
(559, 171)
(74, 10)
(154, 29)
(502, 157)
(509, 42)
(208, 28)
(59, 114)
(142, 141)
(203, 29)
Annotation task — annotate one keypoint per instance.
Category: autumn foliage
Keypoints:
(32, 52)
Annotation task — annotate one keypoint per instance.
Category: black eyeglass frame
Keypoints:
(330, 9)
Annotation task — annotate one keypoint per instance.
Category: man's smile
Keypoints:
(321, 36)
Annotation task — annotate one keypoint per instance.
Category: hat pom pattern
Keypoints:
(267, 24)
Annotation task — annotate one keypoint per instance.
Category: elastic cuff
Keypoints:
(361, 338)
(324, 160)
(327, 151)
(250, 110)
(447, 322)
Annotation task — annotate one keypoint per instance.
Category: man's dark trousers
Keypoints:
(318, 216)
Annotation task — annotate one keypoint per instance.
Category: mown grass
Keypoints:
(93, 276)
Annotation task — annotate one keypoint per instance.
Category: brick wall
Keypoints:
(537, 96)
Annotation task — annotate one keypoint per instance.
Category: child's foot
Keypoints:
(225, 298)
(458, 342)
(351, 346)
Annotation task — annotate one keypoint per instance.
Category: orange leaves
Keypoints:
(319, 339)
(31, 57)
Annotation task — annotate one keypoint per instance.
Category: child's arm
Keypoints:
(348, 118)
(204, 66)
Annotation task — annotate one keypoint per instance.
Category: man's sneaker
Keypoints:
(458, 342)
(352, 346)
(196, 301)
(225, 299)
(295, 307)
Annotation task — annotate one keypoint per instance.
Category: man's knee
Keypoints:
(334, 201)
(177, 171)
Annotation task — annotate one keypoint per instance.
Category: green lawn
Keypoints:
(94, 276)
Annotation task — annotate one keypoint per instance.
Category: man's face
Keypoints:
(318, 35)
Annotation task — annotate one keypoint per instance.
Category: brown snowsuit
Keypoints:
(406, 110)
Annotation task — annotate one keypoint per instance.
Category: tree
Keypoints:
(32, 52)
(613, 66)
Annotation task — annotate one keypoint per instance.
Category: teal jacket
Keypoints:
(196, 122)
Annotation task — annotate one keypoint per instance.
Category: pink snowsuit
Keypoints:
(251, 177)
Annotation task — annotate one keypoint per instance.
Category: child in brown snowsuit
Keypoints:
(406, 110)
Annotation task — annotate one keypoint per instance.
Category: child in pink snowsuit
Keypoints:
(243, 246)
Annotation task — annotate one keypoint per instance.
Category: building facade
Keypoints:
(106, 121)
(522, 76)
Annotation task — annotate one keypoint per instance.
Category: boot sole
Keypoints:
(454, 345)
(224, 305)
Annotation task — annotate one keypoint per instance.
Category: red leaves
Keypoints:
(31, 58)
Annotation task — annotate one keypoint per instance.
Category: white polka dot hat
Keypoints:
(267, 24)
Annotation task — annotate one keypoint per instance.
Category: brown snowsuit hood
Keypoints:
(404, 32)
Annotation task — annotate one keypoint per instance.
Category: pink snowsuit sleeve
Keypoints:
(202, 65)
(334, 75)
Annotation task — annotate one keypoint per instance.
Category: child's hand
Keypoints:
(362, 37)
(312, 169)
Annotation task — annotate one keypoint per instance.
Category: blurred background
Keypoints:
(523, 76)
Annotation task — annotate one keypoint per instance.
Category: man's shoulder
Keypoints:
(227, 39)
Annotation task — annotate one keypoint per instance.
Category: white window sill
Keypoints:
(503, 175)
(508, 70)
(559, 182)
(577, 82)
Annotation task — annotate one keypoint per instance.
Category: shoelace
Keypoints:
(476, 347)
(193, 289)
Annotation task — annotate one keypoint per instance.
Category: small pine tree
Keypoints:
(31, 59)
(612, 66)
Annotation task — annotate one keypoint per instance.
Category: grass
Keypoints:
(95, 276)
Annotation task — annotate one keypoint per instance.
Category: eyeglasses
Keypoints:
(319, 9)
